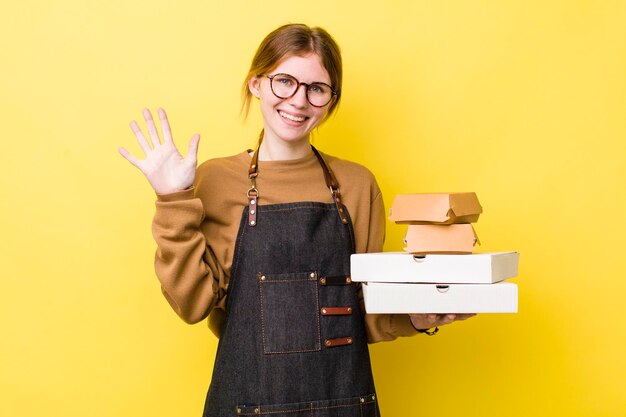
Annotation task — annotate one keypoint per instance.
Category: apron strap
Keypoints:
(253, 193)
(329, 178)
(332, 184)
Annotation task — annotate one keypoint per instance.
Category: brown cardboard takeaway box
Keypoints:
(440, 298)
(476, 268)
(439, 208)
(440, 238)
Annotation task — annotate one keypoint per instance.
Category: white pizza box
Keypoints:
(393, 298)
(475, 268)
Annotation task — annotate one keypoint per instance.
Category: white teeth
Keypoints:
(291, 117)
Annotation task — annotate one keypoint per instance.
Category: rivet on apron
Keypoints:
(262, 277)
(327, 342)
(349, 340)
(348, 280)
(349, 309)
(251, 211)
(373, 397)
(252, 223)
(252, 202)
(257, 410)
(362, 400)
(322, 281)
(238, 410)
(323, 311)
(312, 275)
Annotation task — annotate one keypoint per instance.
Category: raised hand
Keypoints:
(164, 167)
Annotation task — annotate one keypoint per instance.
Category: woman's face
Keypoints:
(291, 119)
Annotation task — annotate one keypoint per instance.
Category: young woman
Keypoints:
(260, 243)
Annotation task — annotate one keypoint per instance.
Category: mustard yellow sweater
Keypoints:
(195, 230)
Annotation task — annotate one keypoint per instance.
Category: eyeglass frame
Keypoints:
(306, 90)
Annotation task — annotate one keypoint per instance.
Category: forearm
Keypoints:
(187, 271)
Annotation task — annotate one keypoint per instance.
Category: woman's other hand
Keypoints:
(164, 166)
(428, 321)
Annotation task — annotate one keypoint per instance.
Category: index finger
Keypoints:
(165, 126)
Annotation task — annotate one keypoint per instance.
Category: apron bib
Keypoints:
(293, 340)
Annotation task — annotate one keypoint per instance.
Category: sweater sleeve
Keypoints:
(382, 327)
(187, 270)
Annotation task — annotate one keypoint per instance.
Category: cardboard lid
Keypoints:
(436, 208)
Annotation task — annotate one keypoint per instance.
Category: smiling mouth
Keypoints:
(292, 117)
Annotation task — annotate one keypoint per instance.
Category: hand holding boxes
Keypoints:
(433, 277)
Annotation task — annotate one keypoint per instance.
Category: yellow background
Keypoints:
(523, 102)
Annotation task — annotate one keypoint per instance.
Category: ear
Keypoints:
(254, 84)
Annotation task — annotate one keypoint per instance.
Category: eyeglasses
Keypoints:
(286, 86)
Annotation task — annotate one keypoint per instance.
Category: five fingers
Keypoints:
(148, 146)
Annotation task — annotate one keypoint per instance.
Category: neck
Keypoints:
(283, 151)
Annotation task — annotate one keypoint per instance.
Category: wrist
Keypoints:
(177, 195)
(430, 332)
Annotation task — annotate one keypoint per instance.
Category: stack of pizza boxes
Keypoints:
(438, 272)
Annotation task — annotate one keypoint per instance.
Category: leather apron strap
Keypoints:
(329, 178)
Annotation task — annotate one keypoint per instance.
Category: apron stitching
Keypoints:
(240, 236)
(296, 208)
(360, 405)
(262, 319)
(317, 316)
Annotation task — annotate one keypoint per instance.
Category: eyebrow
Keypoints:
(312, 82)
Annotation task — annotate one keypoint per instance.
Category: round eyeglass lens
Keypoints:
(319, 94)
(283, 85)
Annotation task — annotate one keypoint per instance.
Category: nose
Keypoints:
(299, 98)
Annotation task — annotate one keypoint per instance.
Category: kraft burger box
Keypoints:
(385, 298)
(435, 208)
(476, 268)
(440, 238)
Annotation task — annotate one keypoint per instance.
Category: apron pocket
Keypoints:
(345, 407)
(290, 320)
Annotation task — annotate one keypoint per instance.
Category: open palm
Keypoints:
(164, 167)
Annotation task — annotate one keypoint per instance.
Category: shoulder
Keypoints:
(224, 174)
(235, 162)
(350, 173)
(216, 168)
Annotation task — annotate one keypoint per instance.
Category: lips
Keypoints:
(292, 117)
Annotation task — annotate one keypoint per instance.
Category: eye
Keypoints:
(284, 80)
(319, 88)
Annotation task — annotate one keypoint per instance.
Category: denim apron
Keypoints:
(293, 340)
